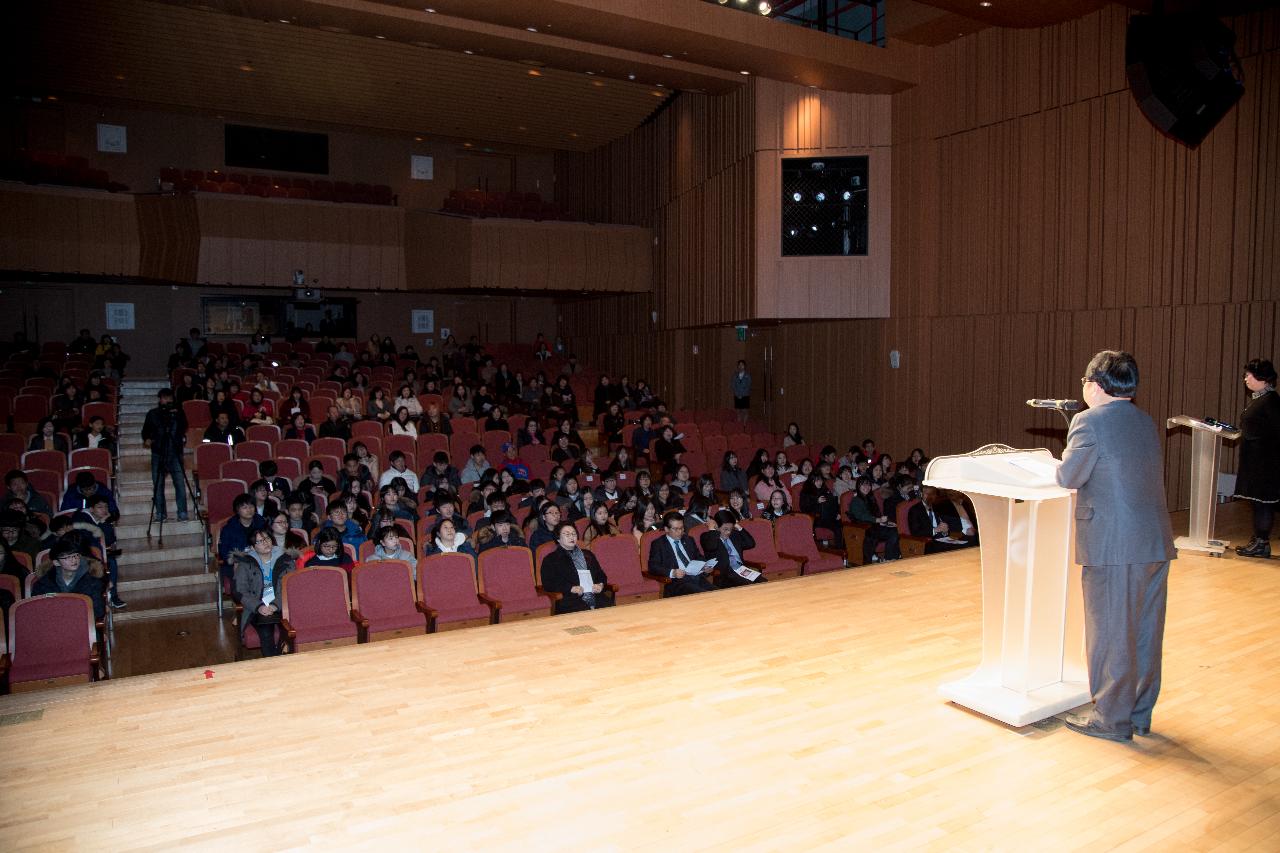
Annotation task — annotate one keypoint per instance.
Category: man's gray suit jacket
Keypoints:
(1113, 459)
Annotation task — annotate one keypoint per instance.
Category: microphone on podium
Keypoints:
(1060, 405)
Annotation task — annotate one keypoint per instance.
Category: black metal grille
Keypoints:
(824, 206)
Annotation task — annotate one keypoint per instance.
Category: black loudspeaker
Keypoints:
(1183, 71)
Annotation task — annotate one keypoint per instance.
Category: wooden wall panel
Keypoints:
(246, 240)
(60, 229)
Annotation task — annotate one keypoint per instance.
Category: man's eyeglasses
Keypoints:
(1085, 380)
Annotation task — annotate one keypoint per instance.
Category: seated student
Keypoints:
(565, 426)
(257, 411)
(222, 432)
(316, 483)
(299, 428)
(390, 510)
(777, 506)
(731, 474)
(758, 461)
(95, 517)
(768, 483)
(864, 510)
(389, 547)
(434, 422)
(296, 403)
(10, 565)
(612, 423)
(477, 465)
(549, 517)
(379, 407)
(500, 532)
(333, 426)
(667, 498)
(817, 500)
(236, 533)
(440, 474)
(726, 541)
(575, 574)
(279, 487)
(622, 461)
(95, 436)
(643, 435)
(869, 452)
(801, 474)
(901, 489)
(845, 482)
(339, 518)
(531, 433)
(512, 462)
(705, 487)
(446, 538)
(668, 449)
(283, 532)
(302, 516)
(957, 510)
(601, 524)
(223, 403)
(608, 488)
(399, 468)
(87, 487)
(783, 468)
(925, 519)
(14, 532)
(586, 464)
(793, 436)
(403, 424)
(260, 571)
(698, 512)
(48, 438)
(564, 449)
(67, 570)
(348, 406)
(407, 401)
(354, 472)
(263, 503)
(536, 494)
(492, 504)
(329, 550)
(670, 554)
(682, 480)
(446, 509)
(497, 420)
(645, 517)
(739, 504)
(367, 460)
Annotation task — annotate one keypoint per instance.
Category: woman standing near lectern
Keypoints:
(1258, 477)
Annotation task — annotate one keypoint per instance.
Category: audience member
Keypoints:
(95, 436)
(259, 574)
(17, 486)
(399, 468)
(446, 538)
(725, 541)
(67, 570)
(440, 474)
(574, 574)
(340, 519)
(236, 533)
(333, 426)
(330, 550)
(47, 437)
(670, 555)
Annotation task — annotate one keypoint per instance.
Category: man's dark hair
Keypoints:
(501, 517)
(350, 457)
(439, 457)
(1262, 370)
(268, 468)
(329, 534)
(670, 518)
(95, 500)
(396, 455)
(1116, 372)
(242, 501)
(725, 516)
(85, 479)
(314, 464)
(259, 484)
(164, 392)
(333, 505)
(59, 523)
(476, 448)
(14, 474)
(296, 498)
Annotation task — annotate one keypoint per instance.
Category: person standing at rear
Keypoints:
(1258, 475)
(740, 385)
(1124, 543)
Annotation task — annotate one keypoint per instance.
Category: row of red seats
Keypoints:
(274, 186)
(46, 167)
(483, 204)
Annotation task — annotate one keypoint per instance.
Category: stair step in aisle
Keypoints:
(156, 581)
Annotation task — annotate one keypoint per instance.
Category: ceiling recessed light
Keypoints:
(667, 56)
(744, 72)
(248, 69)
(417, 139)
(466, 145)
(119, 76)
(339, 30)
(590, 73)
(469, 52)
(597, 83)
(985, 3)
(379, 37)
(284, 20)
(51, 97)
(572, 134)
(533, 72)
(429, 10)
(522, 127)
(631, 76)
(531, 29)
(764, 8)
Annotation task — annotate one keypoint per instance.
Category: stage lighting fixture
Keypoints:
(821, 196)
(813, 228)
(846, 195)
(796, 196)
(764, 8)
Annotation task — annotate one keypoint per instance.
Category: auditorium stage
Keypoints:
(798, 715)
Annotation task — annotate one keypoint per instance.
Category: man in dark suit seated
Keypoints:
(669, 555)
(726, 543)
(926, 519)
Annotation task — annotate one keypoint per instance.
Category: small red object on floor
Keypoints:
(208, 673)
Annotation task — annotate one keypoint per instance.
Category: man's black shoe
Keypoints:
(1142, 731)
(1085, 726)
(116, 603)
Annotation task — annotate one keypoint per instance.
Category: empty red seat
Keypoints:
(209, 458)
(317, 609)
(793, 534)
(764, 557)
(620, 559)
(52, 640)
(447, 588)
(384, 600)
(507, 584)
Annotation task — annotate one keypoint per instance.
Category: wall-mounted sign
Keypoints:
(119, 315)
(424, 321)
(422, 167)
(113, 138)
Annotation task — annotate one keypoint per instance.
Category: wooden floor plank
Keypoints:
(800, 715)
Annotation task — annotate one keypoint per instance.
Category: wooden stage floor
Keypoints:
(795, 716)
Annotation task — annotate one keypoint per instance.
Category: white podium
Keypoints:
(1206, 448)
(1033, 660)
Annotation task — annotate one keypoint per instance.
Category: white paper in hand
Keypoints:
(746, 573)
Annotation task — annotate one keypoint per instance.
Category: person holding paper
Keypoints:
(726, 541)
(1124, 542)
(676, 556)
(575, 574)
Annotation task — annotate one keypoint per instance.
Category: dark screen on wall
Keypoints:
(277, 150)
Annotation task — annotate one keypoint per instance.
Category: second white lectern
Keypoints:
(1206, 447)
(1033, 661)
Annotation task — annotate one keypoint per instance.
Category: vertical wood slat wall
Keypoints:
(1037, 219)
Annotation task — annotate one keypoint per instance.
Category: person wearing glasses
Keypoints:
(1124, 543)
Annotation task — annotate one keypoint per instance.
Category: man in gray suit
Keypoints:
(1124, 543)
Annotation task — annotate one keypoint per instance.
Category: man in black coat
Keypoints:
(927, 519)
(669, 555)
(726, 544)
(164, 432)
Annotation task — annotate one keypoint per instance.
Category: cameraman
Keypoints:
(165, 432)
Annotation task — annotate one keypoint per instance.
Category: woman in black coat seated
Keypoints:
(48, 438)
(863, 509)
(731, 474)
(575, 574)
(817, 500)
(667, 449)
